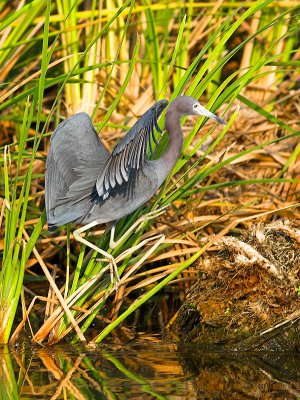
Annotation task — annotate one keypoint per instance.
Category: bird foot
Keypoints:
(135, 227)
(113, 270)
(150, 215)
(156, 212)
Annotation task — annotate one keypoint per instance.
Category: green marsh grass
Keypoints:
(113, 63)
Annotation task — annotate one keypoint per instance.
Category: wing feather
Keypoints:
(131, 152)
(73, 164)
(123, 166)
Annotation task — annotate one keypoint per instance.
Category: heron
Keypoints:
(88, 185)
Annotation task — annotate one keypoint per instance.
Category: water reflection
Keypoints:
(267, 375)
(144, 371)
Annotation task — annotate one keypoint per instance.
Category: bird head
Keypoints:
(187, 105)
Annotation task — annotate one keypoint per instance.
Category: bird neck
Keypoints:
(174, 148)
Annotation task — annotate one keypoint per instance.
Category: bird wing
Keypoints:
(131, 152)
(75, 158)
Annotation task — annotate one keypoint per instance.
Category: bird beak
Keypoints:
(203, 111)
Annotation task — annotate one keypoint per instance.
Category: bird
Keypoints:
(88, 185)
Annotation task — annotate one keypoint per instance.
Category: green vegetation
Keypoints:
(58, 58)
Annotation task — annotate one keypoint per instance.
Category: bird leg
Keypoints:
(135, 227)
(112, 262)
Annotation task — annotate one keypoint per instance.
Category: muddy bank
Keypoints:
(247, 296)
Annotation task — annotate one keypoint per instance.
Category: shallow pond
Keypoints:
(145, 370)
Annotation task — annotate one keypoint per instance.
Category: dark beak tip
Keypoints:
(221, 121)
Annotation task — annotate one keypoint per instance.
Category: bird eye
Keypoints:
(195, 105)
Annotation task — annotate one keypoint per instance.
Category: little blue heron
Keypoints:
(86, 184)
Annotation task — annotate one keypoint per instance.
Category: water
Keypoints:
(147, 370)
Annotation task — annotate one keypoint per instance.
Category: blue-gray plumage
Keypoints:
(88, 185)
